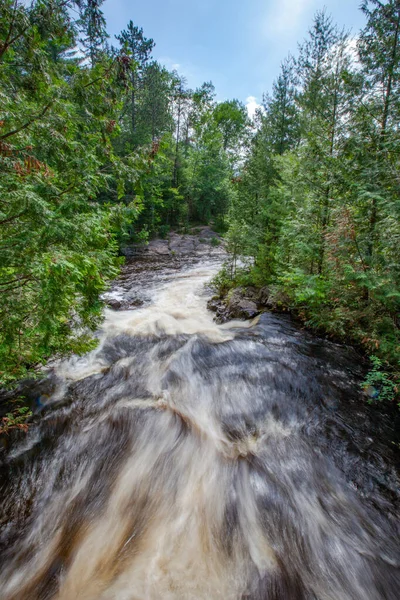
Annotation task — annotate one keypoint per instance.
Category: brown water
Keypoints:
(186, 460)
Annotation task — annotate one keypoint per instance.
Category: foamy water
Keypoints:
(185, 460)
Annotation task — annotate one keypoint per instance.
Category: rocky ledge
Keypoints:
(241, 303)
(157, 262)
(197, 242)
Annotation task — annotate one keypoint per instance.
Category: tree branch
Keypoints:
(26, 125)
(16, 280)
(9, 219)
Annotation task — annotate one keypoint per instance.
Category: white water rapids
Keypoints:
(184, 460)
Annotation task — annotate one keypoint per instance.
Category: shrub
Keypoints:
(378, 384)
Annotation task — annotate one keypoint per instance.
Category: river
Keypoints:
(187, 460)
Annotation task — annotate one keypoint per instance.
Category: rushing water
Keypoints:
(186, 460)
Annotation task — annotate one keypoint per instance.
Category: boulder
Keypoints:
(246, 309)
(241, 308)
(264, 295)
(114, 304)
(251, 293)
(136, 302)
(214, 304)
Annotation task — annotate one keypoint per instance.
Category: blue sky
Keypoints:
(237, 44)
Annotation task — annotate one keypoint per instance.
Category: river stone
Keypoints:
(251, 293)
(186, 247)
(206, 232)
(214, 304)
(182, 244)
(114, 304)
(241, 308)
(247, 309)
(135, 303)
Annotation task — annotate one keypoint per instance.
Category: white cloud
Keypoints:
(169, 63)
(286, 16)
(252, 105)
(186, 69)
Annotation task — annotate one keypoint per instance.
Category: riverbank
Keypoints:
(375, 425)
(246, 301)
(146, 267)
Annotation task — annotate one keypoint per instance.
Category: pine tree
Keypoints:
(139, 49)
(154, 111)
(281, 110)
(93, 26)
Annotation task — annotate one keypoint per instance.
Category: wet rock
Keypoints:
(215, 303)
(114, 304)
(240, 307)
(202, 245)
(219, 307)
(175, 248)
(244, 309)
(158, 247)
(251, 293)
(186, 247)
(182, 244)
(159, 260)
(137, 302)
(278, 300)
(206, 232)
(264, 295)
(126, 304)
(133, 251)
(236, 306)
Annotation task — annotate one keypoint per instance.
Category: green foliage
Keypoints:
(232, 121)
(16, 418)
(164, 231)
(99, 147)
(303, 289)
(222, 282)
(207, 176)
(93, 27)
(316, 213)
(378, 384)
(58, 243)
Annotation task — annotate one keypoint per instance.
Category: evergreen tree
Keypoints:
(139, 49)
(154, 111)
(93, 26)
(181, 102)
(57, 244)
(281, 110)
